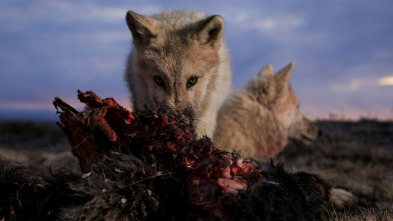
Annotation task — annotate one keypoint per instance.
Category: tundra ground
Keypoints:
(355, 156)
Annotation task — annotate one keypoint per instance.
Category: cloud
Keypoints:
(386, 80)
(265, 24)
(353, 85)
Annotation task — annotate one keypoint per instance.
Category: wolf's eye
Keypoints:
(159, 81)
(192, 81)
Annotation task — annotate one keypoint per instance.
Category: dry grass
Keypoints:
(35, 144)
(357, 157)
(361, 215)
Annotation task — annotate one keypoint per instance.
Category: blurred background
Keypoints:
(343, 51)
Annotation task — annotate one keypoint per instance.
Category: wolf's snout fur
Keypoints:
(303, 132)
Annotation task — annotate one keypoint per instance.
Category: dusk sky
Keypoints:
(343, 51)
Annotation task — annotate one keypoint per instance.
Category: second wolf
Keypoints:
(262, 118)
(179, 62)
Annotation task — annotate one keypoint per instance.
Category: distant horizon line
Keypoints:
(50, 115)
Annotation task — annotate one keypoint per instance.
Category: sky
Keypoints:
(343, 51)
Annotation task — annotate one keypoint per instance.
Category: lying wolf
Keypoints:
(179, 62)
(262, 118)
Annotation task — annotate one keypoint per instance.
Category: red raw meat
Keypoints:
(168, 139)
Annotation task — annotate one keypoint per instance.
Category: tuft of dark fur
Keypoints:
(120, 188)
(33, 195)
(126, 187)
(123, 187)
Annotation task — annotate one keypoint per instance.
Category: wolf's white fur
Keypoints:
(262, 118)
(175, 46)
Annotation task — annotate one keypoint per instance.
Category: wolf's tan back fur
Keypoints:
(175, 46)
(262, 118)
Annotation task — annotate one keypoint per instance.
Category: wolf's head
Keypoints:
(275, 93)
(174, 61)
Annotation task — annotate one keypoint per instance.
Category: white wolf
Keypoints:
(262, 118)
(179, 61)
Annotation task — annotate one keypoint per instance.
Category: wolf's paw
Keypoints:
(341, 198)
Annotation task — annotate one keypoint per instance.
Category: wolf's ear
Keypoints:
(267, 70)
(209, 31)
(259, 82)
(142, 28)
(262, 83)
(281, 79)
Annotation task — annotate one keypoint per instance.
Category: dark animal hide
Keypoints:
(150, 168)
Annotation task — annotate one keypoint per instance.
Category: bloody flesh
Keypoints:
(214, 181)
